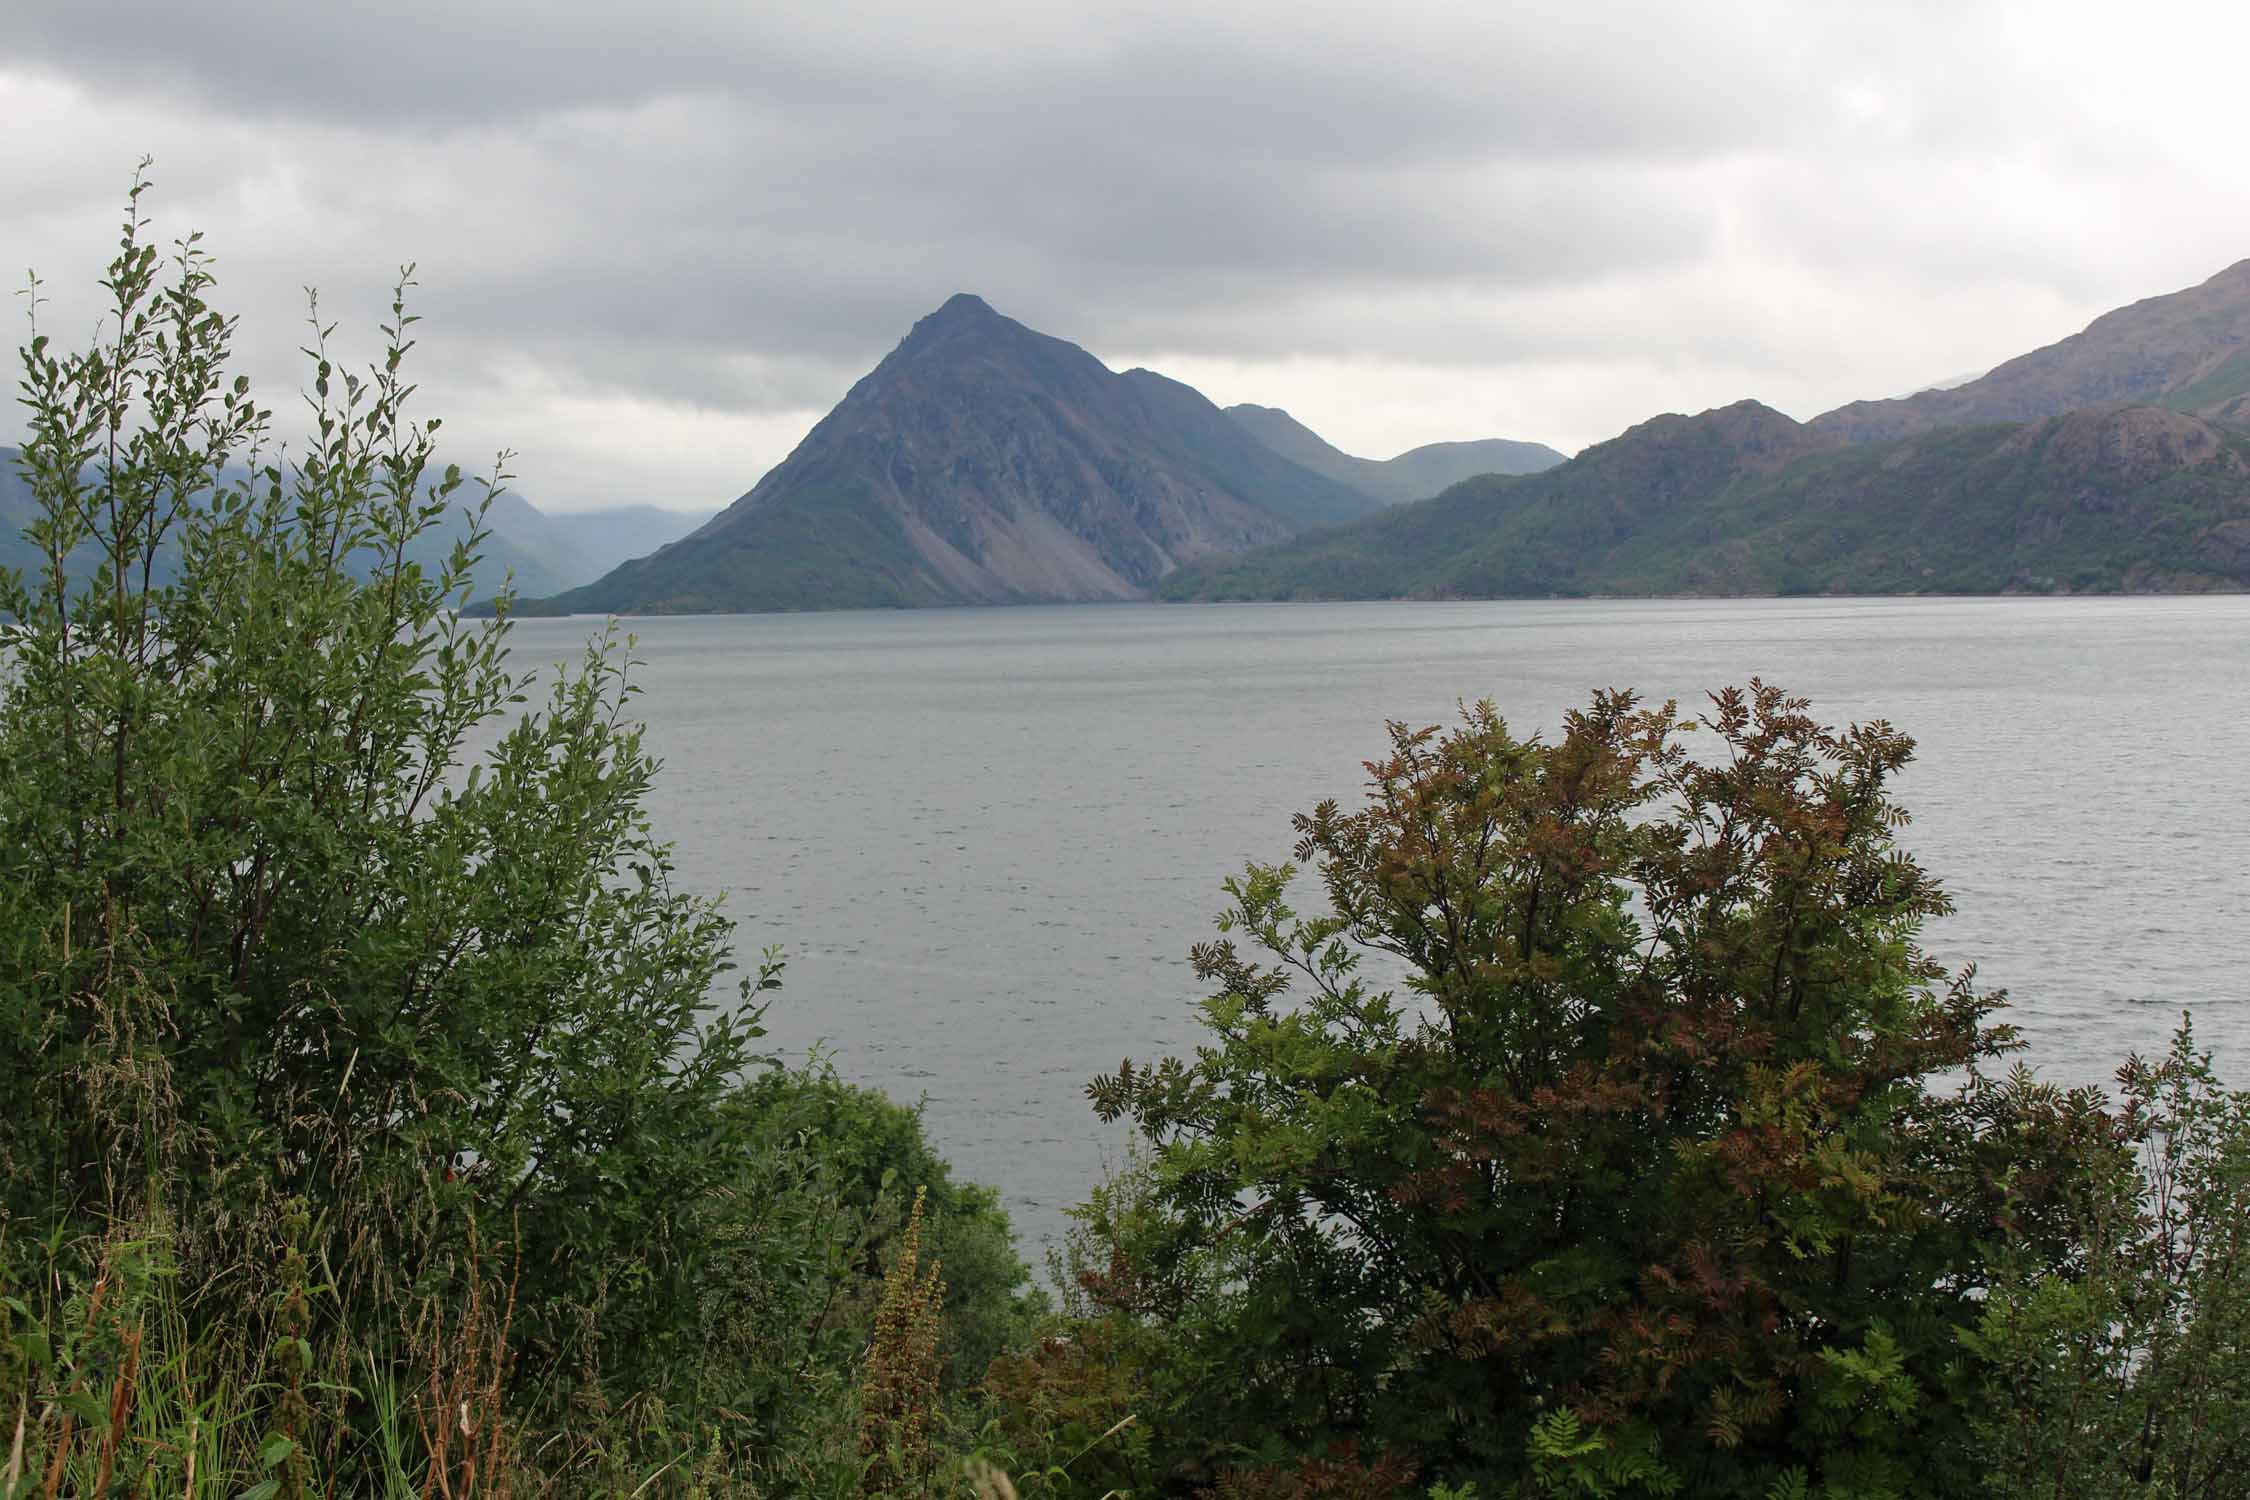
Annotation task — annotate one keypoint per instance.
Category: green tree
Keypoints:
(356, 983)
(264, 926)
(877, 1160)
(1637, 1145)
(2124, 1369)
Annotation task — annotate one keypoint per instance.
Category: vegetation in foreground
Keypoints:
(371, 1132)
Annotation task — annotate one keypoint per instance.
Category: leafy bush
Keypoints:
(262, 928)
(401, 1054)
(1642, 1135)
(2126, 1368)
(877, 1159)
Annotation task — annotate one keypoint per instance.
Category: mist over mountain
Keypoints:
(2187, 350)
(601, 539)
(1415, 474)
(550, 551)
(541, 553)
(979, 463)
(16, 512)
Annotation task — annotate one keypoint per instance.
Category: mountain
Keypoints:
(1413, 475)
(1742, 500)
(2188, 351)
(16, 512)
(601, 539)
(550, 551)
(543, 553)
(982, 462)
(522, 545)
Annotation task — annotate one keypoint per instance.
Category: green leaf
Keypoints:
(85, 1406)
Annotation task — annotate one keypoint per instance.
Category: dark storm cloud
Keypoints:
(657, 240)
(1320, 82)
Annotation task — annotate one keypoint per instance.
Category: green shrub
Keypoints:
(1641, 1135)
(879, 1160)
(2125, 1368)
(405, 1053)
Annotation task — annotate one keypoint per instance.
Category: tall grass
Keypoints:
(109, 1387)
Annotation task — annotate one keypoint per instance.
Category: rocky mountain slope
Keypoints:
(1742, 500)
(982, 462)
(2188, 351)
(1415, 474)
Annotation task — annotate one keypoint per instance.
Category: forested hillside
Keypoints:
(1745, 501)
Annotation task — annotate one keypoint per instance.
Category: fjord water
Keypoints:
(986, 838)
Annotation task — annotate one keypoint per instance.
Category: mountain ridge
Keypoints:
(1743, 501)
(983, 462)
(2188, 350)
(1416, 474)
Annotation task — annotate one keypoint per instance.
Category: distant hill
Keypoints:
(543, 552)
(2188, 351)
(982, 462)
(1742, 500)
(601, 539)
(16, 512)
(1414, 475)
(554, 550)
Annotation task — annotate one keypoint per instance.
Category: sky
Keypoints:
(655, 242)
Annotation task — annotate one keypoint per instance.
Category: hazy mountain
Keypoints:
(601, 539)
(982, 462)
(544, 553)
(1744, 501)
(524, 543)
(1950, 383)
(2189, 351)
(552, 551)
(15, 513)
(1414, 475)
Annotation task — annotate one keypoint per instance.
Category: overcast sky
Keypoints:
(657, 240)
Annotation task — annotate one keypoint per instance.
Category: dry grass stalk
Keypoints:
(463, 1419)
(898, 1395)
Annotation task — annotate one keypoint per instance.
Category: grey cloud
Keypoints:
(1300, 80)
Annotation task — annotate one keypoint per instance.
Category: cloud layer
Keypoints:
(657, 241)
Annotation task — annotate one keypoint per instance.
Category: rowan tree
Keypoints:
(1589, 1130)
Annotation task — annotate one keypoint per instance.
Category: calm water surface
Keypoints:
(986, 838)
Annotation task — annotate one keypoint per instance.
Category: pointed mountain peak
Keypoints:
(961, 310)
(964, 317)
(965, 305)
(984, 462)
